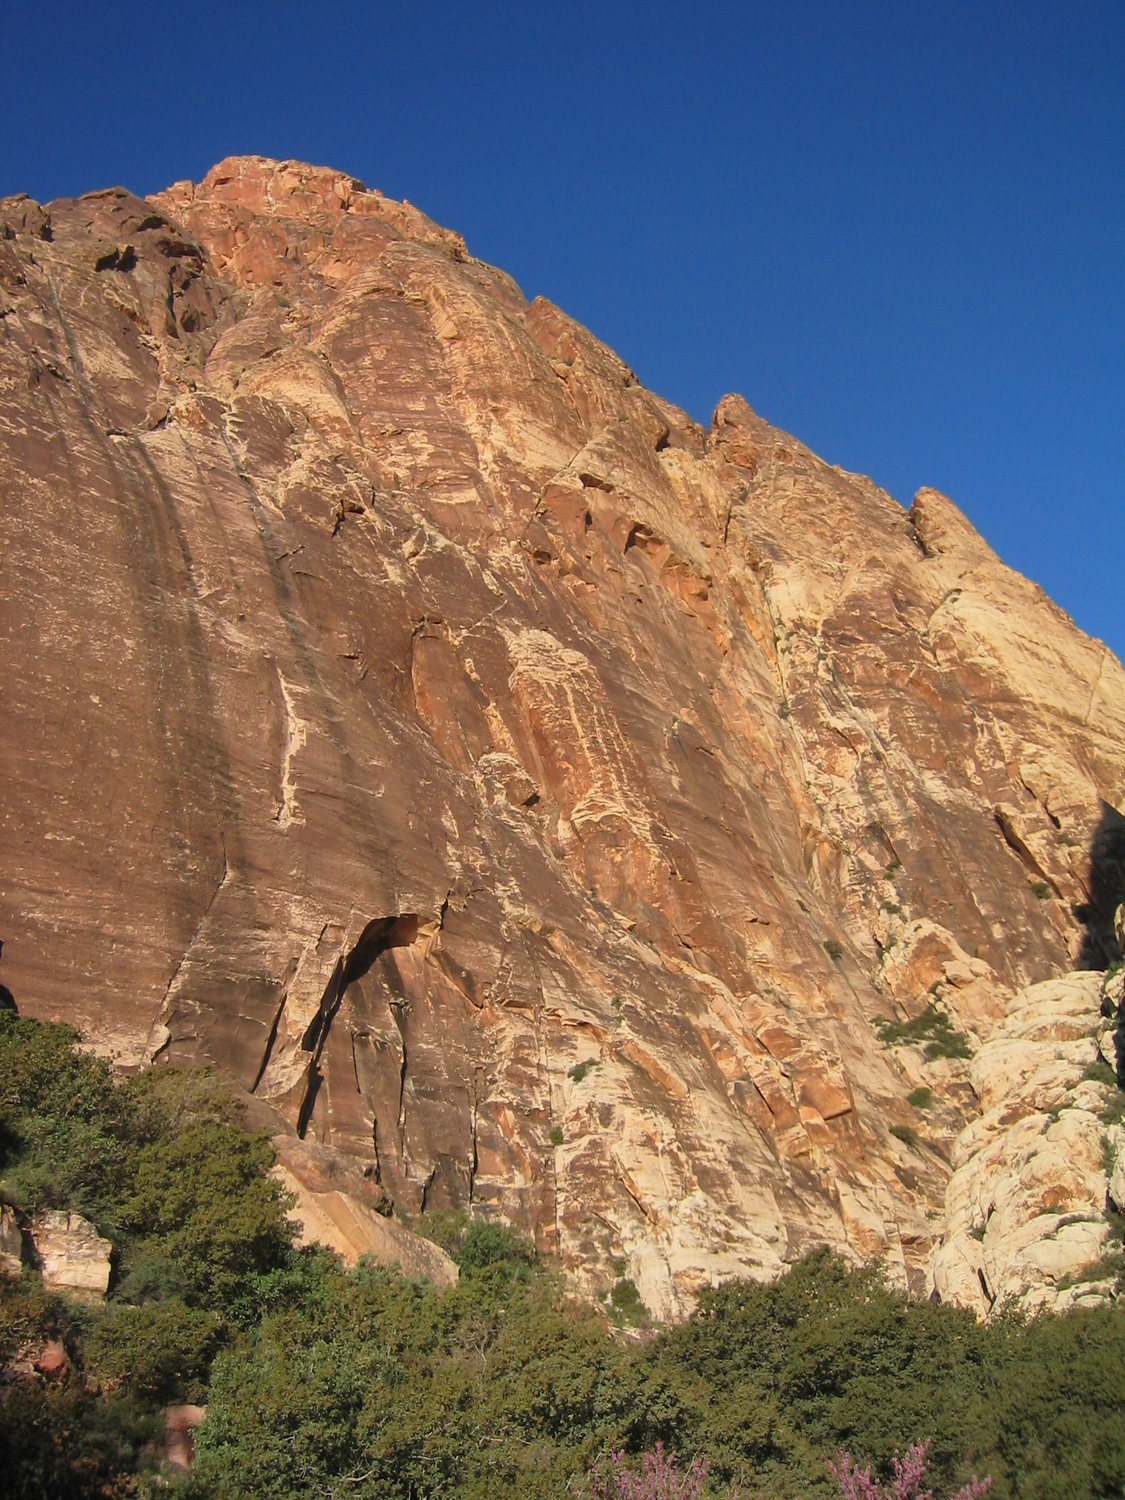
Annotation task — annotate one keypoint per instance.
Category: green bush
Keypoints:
(158, 1353)
(319, 1380)
(932, 1028)
(625, 1300)
(202, 1217)
(485, 1245)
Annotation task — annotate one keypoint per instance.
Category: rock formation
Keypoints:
(337, 1206)
(72, 1255)
(544, 800)
(1025, 1221)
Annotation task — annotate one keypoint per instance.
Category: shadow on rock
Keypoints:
(1107, 891)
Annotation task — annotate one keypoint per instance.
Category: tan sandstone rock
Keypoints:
(1025, 1220)
(343, 1224)
(72, 1255)
(180, 1421)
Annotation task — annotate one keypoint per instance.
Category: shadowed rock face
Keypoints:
(512, 784)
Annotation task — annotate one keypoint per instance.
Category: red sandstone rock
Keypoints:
(52, 1359)
(180, 1421)
(516, 787)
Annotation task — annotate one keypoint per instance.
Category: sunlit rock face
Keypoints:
(1025, 1220)
(512, 784)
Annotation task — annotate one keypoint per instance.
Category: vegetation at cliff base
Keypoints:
(323, 1381)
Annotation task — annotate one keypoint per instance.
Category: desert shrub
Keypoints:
(932, 1029)
(199, 1235)
(158, 1353)
(822, 1357)
(445, 1227)
(396, 1389)
(202, 1217)
(485, 1245)
(65, 1139)
(60, 1439)
(625, 1302)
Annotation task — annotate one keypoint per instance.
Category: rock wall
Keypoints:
(513, 785)
(1026, 1221)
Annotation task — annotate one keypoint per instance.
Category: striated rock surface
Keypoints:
(1025, 1216)
(516, 787)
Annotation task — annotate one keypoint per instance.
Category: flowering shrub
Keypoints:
(857, 1484)
(659, 1478)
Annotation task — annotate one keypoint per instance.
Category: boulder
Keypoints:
(72, 1256)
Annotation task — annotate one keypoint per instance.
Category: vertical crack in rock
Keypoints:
(991, 1300)
(289, 809)
(396, 1008)
(473, 1161)
(544, 1065)
(316, 1034)
(271, 1039)
(380, 934)
(162, 1010)
(81, 380)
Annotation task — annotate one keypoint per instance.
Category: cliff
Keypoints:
(564, 809)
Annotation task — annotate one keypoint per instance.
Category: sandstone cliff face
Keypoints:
(510, 783)
(1025, 1221)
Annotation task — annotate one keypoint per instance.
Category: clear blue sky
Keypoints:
(897, 229)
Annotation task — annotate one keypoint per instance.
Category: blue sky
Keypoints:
(896, 229)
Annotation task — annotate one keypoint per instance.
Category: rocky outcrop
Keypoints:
(71, 1254)
(1025, 1210)
(516, 787)
(332, 1209)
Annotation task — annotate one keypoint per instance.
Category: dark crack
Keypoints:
(380, 934)
(270, 1042)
